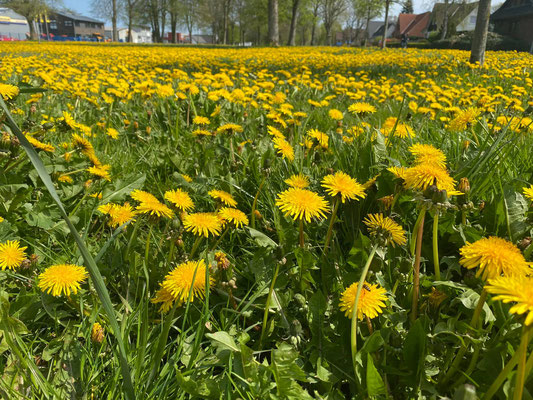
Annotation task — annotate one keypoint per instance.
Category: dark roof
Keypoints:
(391, 27)
(414, 25)
(457, 12)
(77, 17)
(513, 9)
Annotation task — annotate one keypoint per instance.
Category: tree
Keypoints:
(331, 11)
(315, 5)
(131, 13)
(386, 24)
(29, 9)
(407, 7)
(479, 41)
(294, 19)
(273, 23)
(368, 9)
(107, 8)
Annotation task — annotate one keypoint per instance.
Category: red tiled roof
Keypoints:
(414, 25)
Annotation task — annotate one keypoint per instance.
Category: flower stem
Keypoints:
(331, 222)
(353, 335)
(220, 238)
(195, 246)
(416, 268)
(506, 371)
(267, 306)
(464, 347)
(301, 233)
(436, 245)
(520, 374)
(147, 247)
(254, 204)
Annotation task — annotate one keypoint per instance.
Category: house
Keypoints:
(72, 25)
(13, 26)
(515, 18)
(413, 25)
(138, 35)
(391, 27)
(461, 16)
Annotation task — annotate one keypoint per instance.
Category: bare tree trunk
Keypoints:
(33, 32)
(386, 26)
(163, 20)
(367, 30)
(114, 20)
(130, 20)
(479, 41)
(294, 20)
(444, 29)
(313, 29)
(173, 25)
(273, 23)
(226, 22)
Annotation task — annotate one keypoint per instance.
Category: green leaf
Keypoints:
(414, 349)
(516, 208)
(374, 382)
(286, 372)
(94, 272)
(122, 189)
(261, 239)
(223, 341)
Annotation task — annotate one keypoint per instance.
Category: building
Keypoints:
(413, 25)
(68, 25)
(138, 35)
(391, 27)
(515, 18)
(461, 16)
(13, 26)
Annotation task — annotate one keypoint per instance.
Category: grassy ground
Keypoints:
(264, 319)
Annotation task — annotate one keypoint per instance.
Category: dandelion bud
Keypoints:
(148, 130)
(524, 243)
(464, 185)
(97, 333)
(222, 260)
(258, 215)
(135, 124)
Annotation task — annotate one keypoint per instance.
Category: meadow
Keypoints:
(270, 223)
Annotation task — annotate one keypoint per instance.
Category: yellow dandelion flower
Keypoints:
(399, 172)
(426, 153)
(97, 333)
(112, 133)
(202, 224)
(371, 301)
(62, 278)
(198, 120)
(233, 216)
(102, 171)
(335, 114)
(424, 175)
(154, 208)
(230, 128)
(187, 278)
(142, 196)
(302, 204)
(8, 92)
(201, 132)
(275, 132)
(164, 297)
(223, 196)
(284, 148)
(463, 119)
(65, 179)
(299, 181)
(121, 214)
(528, 192)
(494, 256)
(187, 178)
(402, 130)
(514, 289)
(40, 145)
(344, 185)
(362, 108)
(11, 254)
(181, 199)
(385, 229)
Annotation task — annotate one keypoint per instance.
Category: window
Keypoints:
(68, 22)
(53, 24)
(77, 23)
(473, 19)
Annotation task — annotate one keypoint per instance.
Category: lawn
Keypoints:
(264, 223)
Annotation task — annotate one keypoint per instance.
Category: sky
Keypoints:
(84, 7)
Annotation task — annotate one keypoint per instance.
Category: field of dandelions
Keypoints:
(305, 223)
